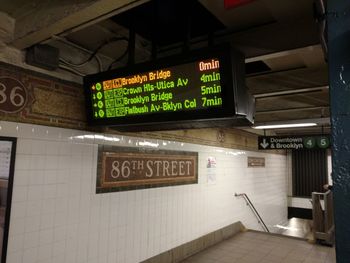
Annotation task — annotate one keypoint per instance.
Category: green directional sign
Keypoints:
(293, 142)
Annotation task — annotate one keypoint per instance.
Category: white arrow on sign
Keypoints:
(264, 144)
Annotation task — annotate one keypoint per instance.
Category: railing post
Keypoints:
(323, 226)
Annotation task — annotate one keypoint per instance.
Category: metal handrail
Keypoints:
(256, 213)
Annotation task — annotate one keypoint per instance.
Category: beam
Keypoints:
(285, 71)
(283, 53)
(263, 39)
(304, 131)
(276, 37)
(55, 19)
(7, 28)
(289, 92)
(291, 110)
(291, 79)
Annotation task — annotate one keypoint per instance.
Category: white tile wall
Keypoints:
(57, 217)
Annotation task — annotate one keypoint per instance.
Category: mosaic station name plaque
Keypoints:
(122, 170)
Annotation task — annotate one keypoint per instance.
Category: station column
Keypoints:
(338, 17)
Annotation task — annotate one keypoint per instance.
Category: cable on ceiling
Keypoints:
(93, 54)
(320, 15)
(68, 63)
(118, 58)
(71, 70)
(67, 42)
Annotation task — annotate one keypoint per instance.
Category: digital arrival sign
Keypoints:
(199, 86)
(190, 86)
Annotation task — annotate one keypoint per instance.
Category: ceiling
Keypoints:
(285, 66)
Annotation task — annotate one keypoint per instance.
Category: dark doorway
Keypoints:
(7, 165)
(309, 172)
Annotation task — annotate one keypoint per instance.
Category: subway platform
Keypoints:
(259, 247)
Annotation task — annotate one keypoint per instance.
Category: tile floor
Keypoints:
(297, 227)
(256, 247)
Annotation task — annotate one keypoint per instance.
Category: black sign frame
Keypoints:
(231, 64)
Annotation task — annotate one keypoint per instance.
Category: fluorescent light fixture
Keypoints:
(146, 143)
(96, 136)
(281, 126)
